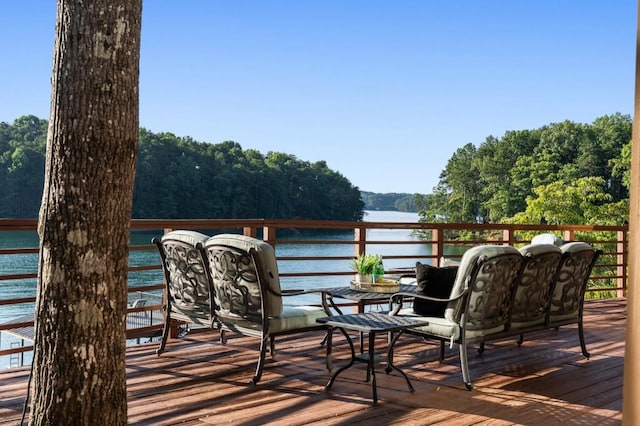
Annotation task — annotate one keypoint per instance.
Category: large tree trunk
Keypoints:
(79, 360)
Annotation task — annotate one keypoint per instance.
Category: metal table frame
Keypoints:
(361, 297)
(371, 323)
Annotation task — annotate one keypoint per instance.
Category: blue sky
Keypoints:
(383, 91)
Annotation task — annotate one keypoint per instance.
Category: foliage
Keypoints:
(22, 151)
(182, 178)
(562, 173)
(390, 201)
(367, 264)
(581, 201)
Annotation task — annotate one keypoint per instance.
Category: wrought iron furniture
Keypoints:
(188, 290)
(247, 296)
(371, 323)
(531, 296)
(362, 298)
(501, 291)
(567, 294)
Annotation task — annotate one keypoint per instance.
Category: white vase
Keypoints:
(364, 278)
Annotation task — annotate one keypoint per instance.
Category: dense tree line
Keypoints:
(389, 201)
(562, 173)
(182, 178)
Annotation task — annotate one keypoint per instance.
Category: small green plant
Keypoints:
(367, 264)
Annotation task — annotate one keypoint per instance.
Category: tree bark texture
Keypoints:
(79, 360)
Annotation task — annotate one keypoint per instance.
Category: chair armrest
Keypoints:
(398, 298)
(321, 292)
(293, 292)
(298, 292)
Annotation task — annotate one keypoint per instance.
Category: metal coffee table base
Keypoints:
(371, 323)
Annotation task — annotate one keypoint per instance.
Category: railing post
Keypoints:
(568, 235)
(508, 236)
(360, 238)
(437, 245)
(249, 231)
(269, 235)
(621, 260)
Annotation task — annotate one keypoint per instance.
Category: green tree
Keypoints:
(583, 201)
(22, 148)
(461, 180)
(495, 159)
(494, 182)
(621, 167)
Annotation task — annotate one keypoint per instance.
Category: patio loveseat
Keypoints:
(501, 292)
(231, 283)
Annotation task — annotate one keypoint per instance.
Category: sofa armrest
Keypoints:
(397, 299)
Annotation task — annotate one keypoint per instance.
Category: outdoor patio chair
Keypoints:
(138, 303)
(567, 295)
(248, 297)
(187, 288)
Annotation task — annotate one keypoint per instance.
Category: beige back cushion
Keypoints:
(547, 239)
(468, 261)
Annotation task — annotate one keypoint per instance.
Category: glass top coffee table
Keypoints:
(371, 323)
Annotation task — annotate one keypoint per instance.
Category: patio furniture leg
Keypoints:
(263, 354)
(583, 344)
(165, 333)
(328, 339)
(272, 347)
(465, 365)
(351, 362)
(390, 365)
(371, 366)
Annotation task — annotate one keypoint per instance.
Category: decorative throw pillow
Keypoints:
(433, 282)
(445, 261)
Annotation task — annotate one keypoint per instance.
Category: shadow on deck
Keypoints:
(197, 381)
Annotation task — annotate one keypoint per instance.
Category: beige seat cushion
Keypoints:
(296, 317)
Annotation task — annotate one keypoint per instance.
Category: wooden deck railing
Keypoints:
(425, 242)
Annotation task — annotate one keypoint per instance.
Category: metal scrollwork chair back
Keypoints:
(188, 293)
(247, 296)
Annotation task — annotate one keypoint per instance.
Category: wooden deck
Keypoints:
(545, 381)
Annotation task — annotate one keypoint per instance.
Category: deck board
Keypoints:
(197, 381)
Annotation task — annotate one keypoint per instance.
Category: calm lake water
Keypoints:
(27, 263)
